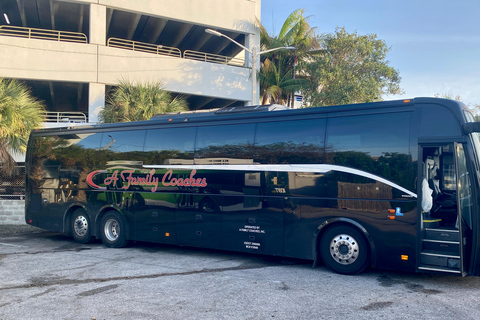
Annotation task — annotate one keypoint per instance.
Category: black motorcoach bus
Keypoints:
(386, 184)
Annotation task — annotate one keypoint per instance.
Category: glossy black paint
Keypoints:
(267, 212)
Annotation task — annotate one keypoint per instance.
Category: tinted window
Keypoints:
(377, 144)
(373, 135)
(225, 142)
(170, 146)
(72, 149)
(61, 160)
(125, 146)
(299, 141)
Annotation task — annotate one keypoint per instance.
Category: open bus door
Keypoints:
(445, 210)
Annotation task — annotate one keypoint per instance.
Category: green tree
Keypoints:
(279, 79)
(276, 84)
(351, 68)
(130, 102)
(20, 112)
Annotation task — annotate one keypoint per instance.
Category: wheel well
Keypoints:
(328, 225)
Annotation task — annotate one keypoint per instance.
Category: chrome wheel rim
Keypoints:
(344, 249)
(80, 225)
(112, 229)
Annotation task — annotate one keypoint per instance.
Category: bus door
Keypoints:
(446, 209)
(253, 213)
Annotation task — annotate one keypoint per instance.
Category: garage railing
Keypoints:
(65, 117)
(213, 58)
(144, 47)
(43, 34)
(66, 36)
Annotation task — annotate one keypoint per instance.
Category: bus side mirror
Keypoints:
(471, 127)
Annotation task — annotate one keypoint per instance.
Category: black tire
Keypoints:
(80, 226)
(345, 250)
(113, 230)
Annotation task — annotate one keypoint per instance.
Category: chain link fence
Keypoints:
(13, 186)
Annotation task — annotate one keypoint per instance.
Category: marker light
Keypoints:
(404, 257)
(406, 101)
(167, 234)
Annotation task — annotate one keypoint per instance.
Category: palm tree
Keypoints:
(295, 32)
(130, 102)
(276, 84)
(20, 113)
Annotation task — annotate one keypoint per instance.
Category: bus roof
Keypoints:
(269, 111)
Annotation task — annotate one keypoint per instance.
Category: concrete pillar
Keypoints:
(98, 36)
(96, 101)
(98, 24)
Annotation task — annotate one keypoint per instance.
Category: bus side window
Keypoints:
(123, 146)
(375, 143)
(292, 142)
(225, 144)
(169, 146)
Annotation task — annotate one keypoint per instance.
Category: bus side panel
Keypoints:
(364, 201)
(199, 220)
(155, 217)
(253, 215)
(43, 214)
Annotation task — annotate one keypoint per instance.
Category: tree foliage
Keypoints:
(20, 113)
(277, 84)
(350, 68)
(278, 77)
(130, 102)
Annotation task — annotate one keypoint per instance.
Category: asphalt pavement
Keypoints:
(19, 229)
(46, 275)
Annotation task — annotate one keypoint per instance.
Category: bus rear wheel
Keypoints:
(113, 230)
(345, 250)
(80, 227)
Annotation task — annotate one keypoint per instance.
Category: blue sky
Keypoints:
(435, 45)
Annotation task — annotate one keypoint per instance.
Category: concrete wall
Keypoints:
(47, 60)
(60, 61)
(178, 74)
(12, 212)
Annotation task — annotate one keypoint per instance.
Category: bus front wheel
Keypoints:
(345, 250)
(113, 230)
(80, 227)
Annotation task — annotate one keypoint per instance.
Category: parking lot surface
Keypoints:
(46, 275)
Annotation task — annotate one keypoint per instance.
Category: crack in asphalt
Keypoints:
(42, 283)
